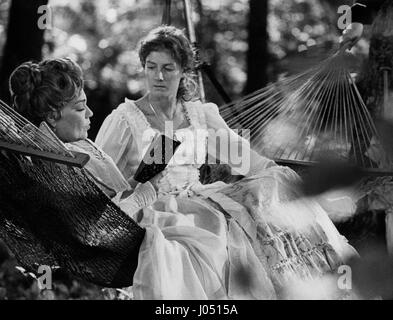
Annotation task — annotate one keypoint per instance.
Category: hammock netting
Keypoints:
(55, 215)
(301, 118)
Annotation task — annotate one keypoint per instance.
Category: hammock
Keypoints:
(304, 117)
(53, 214)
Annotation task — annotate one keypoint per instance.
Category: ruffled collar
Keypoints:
(190, 109)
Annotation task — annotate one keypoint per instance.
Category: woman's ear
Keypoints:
(52, 118)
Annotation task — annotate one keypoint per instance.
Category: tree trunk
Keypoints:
(24, 42)
(24, 39)
(257, 56)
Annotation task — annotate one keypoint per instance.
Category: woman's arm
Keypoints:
(115, 137)
(144, 195)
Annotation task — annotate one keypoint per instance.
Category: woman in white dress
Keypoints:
(253, 239)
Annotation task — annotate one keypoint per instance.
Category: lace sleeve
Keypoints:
(229, 147)
(143, 196)
(116, 138)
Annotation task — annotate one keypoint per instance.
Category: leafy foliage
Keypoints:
(102, 36)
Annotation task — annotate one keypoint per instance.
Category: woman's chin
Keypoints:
(83, 136)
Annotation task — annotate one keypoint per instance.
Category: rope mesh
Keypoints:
(302, 117)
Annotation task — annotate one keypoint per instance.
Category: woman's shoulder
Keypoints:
(129, 112)
(210, 107)
(84, 145)
(101, 167)
(202, 105)
(202, 113)
(127, 106)
(203, 110)
(210, 110)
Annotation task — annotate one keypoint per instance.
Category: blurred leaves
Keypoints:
(102, 37)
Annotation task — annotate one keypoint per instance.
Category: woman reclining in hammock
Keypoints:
(200, 239)
(50, 94)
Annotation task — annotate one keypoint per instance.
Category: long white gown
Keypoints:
(253, 239)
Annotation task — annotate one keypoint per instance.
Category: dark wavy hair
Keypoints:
(172, 39)
(40, 88)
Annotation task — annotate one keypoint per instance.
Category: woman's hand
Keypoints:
(133, 183)
(156, 180)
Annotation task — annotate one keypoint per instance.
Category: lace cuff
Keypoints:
(143, 196)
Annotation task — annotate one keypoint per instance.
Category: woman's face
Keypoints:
(74, 121)
(163, 74)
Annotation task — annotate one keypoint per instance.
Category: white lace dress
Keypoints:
(252, 239)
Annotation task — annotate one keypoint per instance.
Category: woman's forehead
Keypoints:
(161, 57)
(81, 96)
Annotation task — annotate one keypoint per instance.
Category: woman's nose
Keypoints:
(88, 113)
(159, 75)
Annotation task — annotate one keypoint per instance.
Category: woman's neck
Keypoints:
(167, 105)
